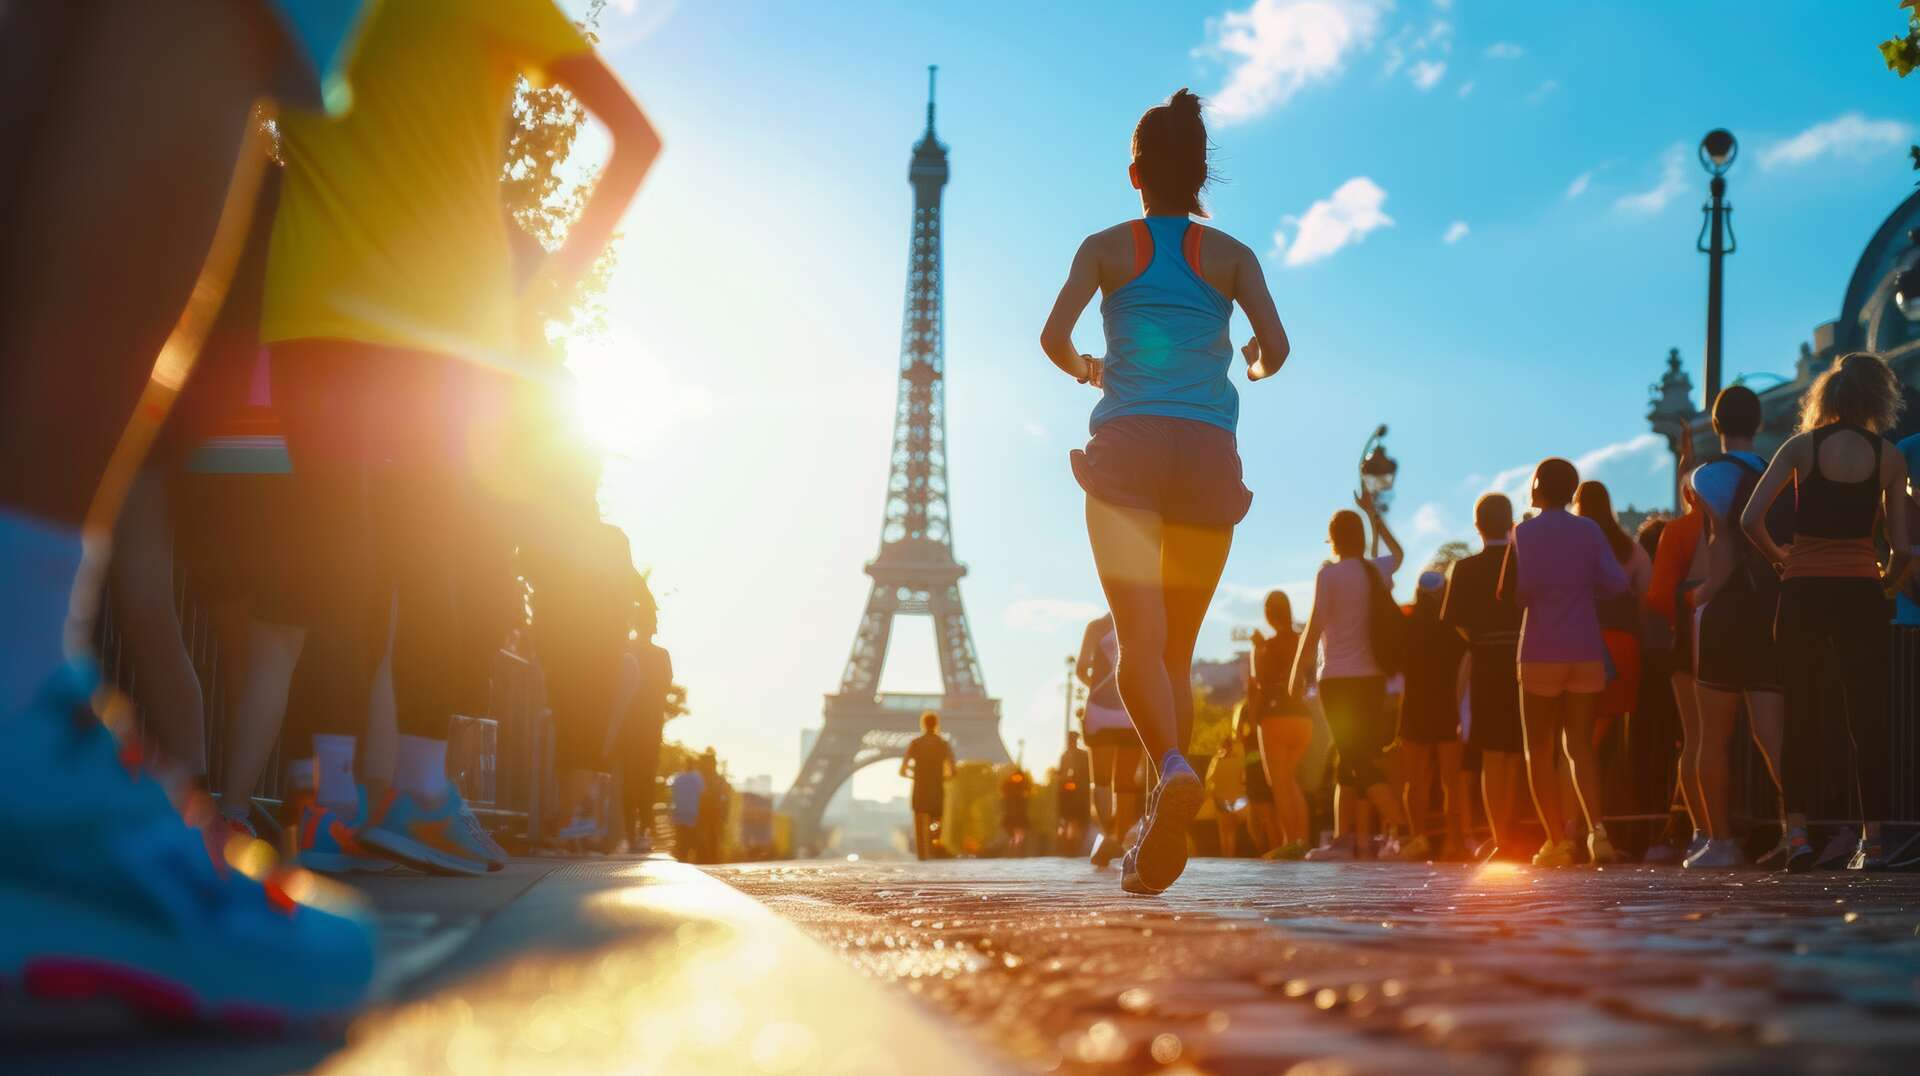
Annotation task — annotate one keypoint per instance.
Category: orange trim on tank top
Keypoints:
(1190, 246)
(1142, 248)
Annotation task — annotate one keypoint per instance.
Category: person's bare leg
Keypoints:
(259, 708)
(1126, 554)
(1583, 760)
(1686, 700)
(1128, 801)
(1419, 790)
(1544, 717)
(1393, 813)
(1503, 777)
(1453, 788)
(98, 265)
(1767, 722)
(1714, 743)
(1103, 805)
(1283, 743)
(1191, 560)
(165, 684)
(1228, 830)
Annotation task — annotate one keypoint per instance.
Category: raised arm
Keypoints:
(1269, 348)
(1754, 519)
(1381, 532)
(1056, 338)
(636, 145)
(1303, 656)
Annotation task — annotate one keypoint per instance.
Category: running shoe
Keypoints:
(1338, 850)
(1554, 854)
(326, 842)
(482, 840)
(1868, 856)
(1839, 850)
(1717, 855)
(108, 894)
(1800, 857)
(1105, 850)
(1600, 850)
(1289, 851)
(437, 841)
(1156, 862)
(1416, 849)
(1698, 842)
(1777, 856)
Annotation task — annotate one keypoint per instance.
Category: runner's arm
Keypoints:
(1267, 351)
(636, 145)
(1899, 538)
(1309, 645)
(1754, 519)
(1056, 337)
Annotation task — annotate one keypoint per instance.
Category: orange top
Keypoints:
(1671, 560)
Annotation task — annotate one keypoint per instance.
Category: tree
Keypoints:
(1447, 554)
(1902, 54)
(544, 190)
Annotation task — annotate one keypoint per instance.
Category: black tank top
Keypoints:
(1833, 509)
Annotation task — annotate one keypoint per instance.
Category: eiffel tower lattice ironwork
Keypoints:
(915, 572)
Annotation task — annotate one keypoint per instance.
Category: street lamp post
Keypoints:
(1377, 470)
(1073, 664)
(1717, 152)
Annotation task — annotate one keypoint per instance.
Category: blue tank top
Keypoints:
(1167, 348)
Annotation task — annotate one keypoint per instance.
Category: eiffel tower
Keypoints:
(915, 572)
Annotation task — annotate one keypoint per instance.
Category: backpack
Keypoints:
(1751, 564)
(1386, 624)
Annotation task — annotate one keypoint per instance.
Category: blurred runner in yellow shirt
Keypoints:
(390, 310)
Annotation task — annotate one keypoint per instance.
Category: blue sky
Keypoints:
(1478, 220)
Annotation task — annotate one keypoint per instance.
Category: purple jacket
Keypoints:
(1559, 566)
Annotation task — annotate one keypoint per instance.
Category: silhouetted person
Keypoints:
(1737, 656)
(1016, 794)
(1559, 568)
(1489, 620)
(1430, 744)
(687, 789)
(1284, 727)
(929, 761)
(1073, 796)
(1834, 592)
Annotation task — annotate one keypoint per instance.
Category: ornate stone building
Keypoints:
(1872, 318)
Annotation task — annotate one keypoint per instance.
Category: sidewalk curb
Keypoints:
(656, 967)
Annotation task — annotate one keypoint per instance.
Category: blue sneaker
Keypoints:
(439, 841)
(326, 842)
(481, 840)
(108, 893)
(1156, 861)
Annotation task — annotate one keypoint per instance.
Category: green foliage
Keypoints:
(1902, 54)
(1447, 554)
(545, 197)
(972, 821)
(1212, 724)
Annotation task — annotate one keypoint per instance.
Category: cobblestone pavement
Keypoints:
(1385, 968)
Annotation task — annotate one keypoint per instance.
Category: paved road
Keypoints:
(1364, 968)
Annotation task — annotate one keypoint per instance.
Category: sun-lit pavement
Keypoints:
(1320, 968)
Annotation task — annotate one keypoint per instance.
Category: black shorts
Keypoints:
(1494, 693)
(1186, 471)
(1258, 790)
(929, 798)
(1735, 650)
(236, 542)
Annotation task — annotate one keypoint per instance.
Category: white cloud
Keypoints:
(1346, 216)
(1244, 605)
(1036, 430)
(1428, 521)
(1851, 135)
(1673, 182)
(1455, 232)
(1466, 88)
(1579, 185)
(1276, 47)
(1504, 50)
(1426, 74)
(1542, 92)
(1610, 463)
(1049, 614)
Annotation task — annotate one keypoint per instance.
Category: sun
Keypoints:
(624, 398)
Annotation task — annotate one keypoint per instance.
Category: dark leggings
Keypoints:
(390, 511)
(1836, 734)
(1356, 708)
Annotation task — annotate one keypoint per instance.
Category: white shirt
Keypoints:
(1342, 596)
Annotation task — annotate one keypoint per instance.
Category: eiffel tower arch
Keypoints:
(915, 573)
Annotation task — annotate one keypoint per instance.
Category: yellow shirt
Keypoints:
(391, 228)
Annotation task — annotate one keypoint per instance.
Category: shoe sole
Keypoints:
(1162, 853)
(412, 853)
(204, 991)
